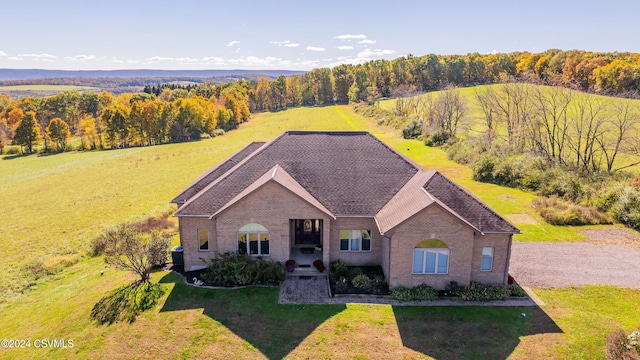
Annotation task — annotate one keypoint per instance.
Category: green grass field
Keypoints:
(60, 202)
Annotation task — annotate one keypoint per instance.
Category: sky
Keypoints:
(297, 35)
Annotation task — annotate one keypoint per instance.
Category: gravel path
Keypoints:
(562, 264)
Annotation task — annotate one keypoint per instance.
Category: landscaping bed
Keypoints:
(345, 279)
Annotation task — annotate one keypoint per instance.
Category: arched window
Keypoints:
(431, 257)
(253, 239)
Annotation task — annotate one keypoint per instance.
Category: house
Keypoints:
(331, 195)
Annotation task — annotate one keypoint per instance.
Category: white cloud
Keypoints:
(345, 47)
(3, 54)
(362, 57)
(117, 61)
(285, 43)
(367, 41)
(158, 59)
(350, 36)
(186, 60)
(80, 58)
(15, 58)
(368, 53)
(233, 43)
(39, 56)
(315, 48)
(254, 61)
(213, 60)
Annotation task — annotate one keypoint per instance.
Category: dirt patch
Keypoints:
(521, 219)
(614, 235)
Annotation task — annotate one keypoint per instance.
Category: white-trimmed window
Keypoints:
(253, 239)
(431, 257)
(487, 259)
(355, 240)
(203, 239)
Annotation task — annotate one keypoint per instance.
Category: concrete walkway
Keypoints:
(315, 290)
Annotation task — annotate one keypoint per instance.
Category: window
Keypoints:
(487, 259)
(253, 239)
(431, 257)
(203, 238)
(355, 240)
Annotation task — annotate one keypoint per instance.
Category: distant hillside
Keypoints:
(31, 74)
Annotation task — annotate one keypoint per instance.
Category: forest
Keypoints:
(162, 114)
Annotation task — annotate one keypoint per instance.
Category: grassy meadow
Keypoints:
(58, 203)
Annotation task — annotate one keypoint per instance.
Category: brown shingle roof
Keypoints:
(410, 200)
(468, 206)
(279, 176)
(350, 173)
(215, 172)
(341, 173)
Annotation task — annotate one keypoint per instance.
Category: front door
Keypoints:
(307, 232)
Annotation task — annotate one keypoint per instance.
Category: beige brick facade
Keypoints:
(373, 257)
(272, 206)
(191, 244)
(431, 223)
(501, 244)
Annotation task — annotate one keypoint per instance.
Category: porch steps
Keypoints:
(305, 271)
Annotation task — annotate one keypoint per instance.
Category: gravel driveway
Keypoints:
(562, 264)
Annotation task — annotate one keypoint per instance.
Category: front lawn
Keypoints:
(192, 322)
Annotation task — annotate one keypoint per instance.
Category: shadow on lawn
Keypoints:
(125, 303)
(253, 314)
(469, 332)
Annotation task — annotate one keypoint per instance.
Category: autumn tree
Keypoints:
(115, 119)
(13, 119)
(87, 132)
(58, 132)
(126, 249)
(28, 131)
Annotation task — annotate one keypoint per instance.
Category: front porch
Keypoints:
(306, 240)
(304, 258)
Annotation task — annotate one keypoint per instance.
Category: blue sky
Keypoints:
(297, 35)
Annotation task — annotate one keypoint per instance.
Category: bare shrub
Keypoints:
(559, 212)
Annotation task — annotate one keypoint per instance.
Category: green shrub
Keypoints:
(437, 138)
(477, 291)
(354, 271)
(483, 168)
(626, 209)
(217, 132)
(362, 282)
(338, 269)
(424, 292)
(466, 152)
(379, 284)
(412, 130)
(341, 285)
(565, 185)
(418, 293)
(233, 269)
(515, 290)
(402, 293)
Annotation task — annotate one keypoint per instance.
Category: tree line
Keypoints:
(612, 73)
(180, 113)
(101, 120)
